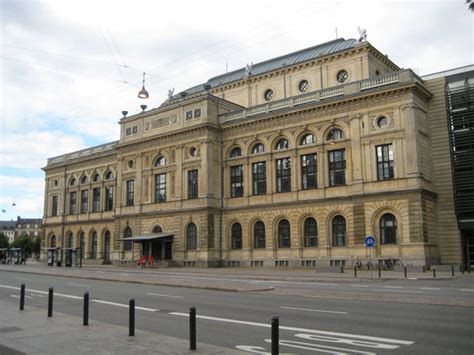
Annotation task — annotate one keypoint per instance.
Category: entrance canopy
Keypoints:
(149, 238)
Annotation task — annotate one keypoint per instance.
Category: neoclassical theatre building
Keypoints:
(289, 162)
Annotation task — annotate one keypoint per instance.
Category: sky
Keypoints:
(69, 67)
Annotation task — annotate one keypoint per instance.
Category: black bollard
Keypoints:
(342, 269)
(275, 336)
(22, 297)
(50, 302)
(423, 268)
(461, 269)
(192, 328)
(355, 271)
(131, 320)
(452, 270)
(405, 271)
(86, 309)
(434, 272)
(380, 271)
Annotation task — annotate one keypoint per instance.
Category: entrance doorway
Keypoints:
(163, 249)
(468, 248)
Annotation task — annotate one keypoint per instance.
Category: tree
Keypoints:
(3, 241)
(37, 247)
(24, 242)
(470, 6)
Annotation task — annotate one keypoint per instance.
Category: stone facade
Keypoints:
(340, 104)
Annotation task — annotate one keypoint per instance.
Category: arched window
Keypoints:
(52, 242)
(107, 245)
(84, 180)
(157, 229)
(338, 231)
(282, 144)
(72, 182)
(259, 235)
(95, 177)
(236, 152)
(109, 175)
(191, 236)
(94, 245)
(236, 236)
(82, 241)
(127, 246)
(70, 240)
(388, 229)
(335, 133)
(160, 161)
(307, 139)
(310, 233)
(284, 237)
(258, 148)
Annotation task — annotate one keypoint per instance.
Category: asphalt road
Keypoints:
(308, 324)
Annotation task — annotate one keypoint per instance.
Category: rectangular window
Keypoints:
(384, 161)
(337, 167)
(84, 201)
(109, 198)
(130, 192)
(73, 202)
(259, 178)
(54, 206)
(160, 188)
(192, 184)
(236, 181)
(96, 199)
(309, 172)
(283, 175)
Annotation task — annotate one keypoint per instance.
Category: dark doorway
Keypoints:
(168, 249)
(468, 248)
(107, 246)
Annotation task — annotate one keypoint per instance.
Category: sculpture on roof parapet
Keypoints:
(362, 34)
(248, 70)
(170, 93)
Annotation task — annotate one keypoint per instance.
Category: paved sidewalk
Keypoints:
(32, 332)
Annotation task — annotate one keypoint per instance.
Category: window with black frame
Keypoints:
(94, 246)
(54, 206)
(130, 192)
(259, 178)
(309, 172)
(236, 236)
(236, 181)
(191, 237)
(259, 235)
(84, 201)
(337, 167)
(160, 188)
(388, 229)
(338, 231)
(109, 198)
(310, 232)
(384, 161)
(96, 199)
(192, 184)
(127, 245)
(73, 202)
(284, 236)
(283, 175)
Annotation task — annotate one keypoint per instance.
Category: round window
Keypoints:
(193, 152)
(130, 164)
(382, 122)
(342, 76)
(268, 95)
(377, 72)
(303, 86)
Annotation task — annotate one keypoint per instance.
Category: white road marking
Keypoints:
(161, 295)
(360, 285)
(354, 342)
(78, 285)
(80, 298)
(16, 296)
(430, 288)
(125, 305)
(321, 332)
(314, 310)
(467, 289)
(400, 291)
(393, 286)
(320, 348)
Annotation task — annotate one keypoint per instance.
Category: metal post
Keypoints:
(405, 271)
(355, 271)
(380, 271)
(80, 260)
(461, 268)
(50, 302)
(452, 270)
(131, 319)
(86, 309)
(192, 328)
(342, 269)
(275, 336)
(424, 268)
(22, 297)
(434, 272)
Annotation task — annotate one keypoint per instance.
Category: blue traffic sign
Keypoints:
(370, 241)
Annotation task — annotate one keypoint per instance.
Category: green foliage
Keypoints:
(24, 242)
(3, 241)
